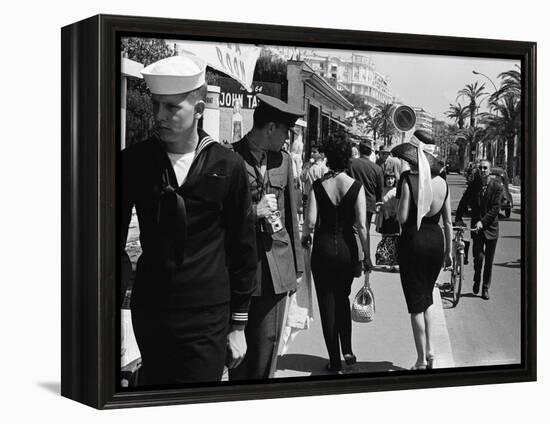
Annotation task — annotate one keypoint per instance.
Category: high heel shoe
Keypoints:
(418, 366)
(350, 358)
(431, 362)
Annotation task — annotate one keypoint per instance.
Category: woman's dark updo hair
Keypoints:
(337, 150)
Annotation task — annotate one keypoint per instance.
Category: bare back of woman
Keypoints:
(336, 187)
(439, 191)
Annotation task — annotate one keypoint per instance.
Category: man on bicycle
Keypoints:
(483, 196)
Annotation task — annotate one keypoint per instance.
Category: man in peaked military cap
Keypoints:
(274, 206)
(195, 276)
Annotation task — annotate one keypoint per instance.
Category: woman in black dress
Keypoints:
(336, 205)
(423, 247)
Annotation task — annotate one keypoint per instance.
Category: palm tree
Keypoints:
(510, 85)
(458, 113)
(444, 137)
(470, 135)
(372, 124)
(472, 92)
(506, 123)
(381, 122)
(506, 102)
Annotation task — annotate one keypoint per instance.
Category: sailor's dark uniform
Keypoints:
(196, 274)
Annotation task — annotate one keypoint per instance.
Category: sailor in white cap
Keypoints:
(274, 206)
(195, 276)
(178, 93)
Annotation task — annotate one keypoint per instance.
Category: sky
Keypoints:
(431, 81)
(428, 81)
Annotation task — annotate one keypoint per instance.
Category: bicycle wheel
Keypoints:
(457, 276)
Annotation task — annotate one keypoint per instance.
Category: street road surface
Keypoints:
(488, 332)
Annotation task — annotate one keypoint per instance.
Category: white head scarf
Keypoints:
(425, 193)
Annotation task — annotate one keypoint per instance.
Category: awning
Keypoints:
(236, 60)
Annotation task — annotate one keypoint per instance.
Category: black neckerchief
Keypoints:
(172, 213)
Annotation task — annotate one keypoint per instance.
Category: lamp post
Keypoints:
(490, 80)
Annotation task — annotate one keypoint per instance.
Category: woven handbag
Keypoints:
(363, 307)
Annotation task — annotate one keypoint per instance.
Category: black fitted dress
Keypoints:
(334, 259)
(420, 253)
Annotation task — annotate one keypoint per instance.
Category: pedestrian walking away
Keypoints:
(315, 171)
(195, 276)
(337, 203)
(423, 247)
(370, 176)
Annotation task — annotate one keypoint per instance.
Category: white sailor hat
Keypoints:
(175, 75)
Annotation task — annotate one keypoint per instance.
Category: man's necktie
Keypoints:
(263, 163)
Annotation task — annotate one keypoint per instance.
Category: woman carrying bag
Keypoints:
(337, 204)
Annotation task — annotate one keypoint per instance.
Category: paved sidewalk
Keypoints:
(385, 344)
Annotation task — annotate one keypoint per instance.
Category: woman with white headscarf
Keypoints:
(423, 247)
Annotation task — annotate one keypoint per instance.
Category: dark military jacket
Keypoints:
(198, 239)
(280, 251)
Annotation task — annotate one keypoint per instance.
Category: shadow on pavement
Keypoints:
(316, 365)
(447, 301)
(511, 264)
(512, 237)
(364, 367)
(302, 363)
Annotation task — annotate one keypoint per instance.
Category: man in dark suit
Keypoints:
(483, 196)
(370, 175)
(383, 154)
(280, 259)
(195, 276)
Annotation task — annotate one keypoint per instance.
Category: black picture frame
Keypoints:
(90, 142)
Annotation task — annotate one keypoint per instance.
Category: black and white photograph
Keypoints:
(301, 212)
(275, 212)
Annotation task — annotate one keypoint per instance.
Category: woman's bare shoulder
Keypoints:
(439, 181)
(439, 187)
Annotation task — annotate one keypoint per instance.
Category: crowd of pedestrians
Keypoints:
(222, 241)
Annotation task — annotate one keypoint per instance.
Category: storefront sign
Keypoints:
(231, 92)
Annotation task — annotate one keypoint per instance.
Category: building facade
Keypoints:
(325, 108)
(424, 120)
(355, 74)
